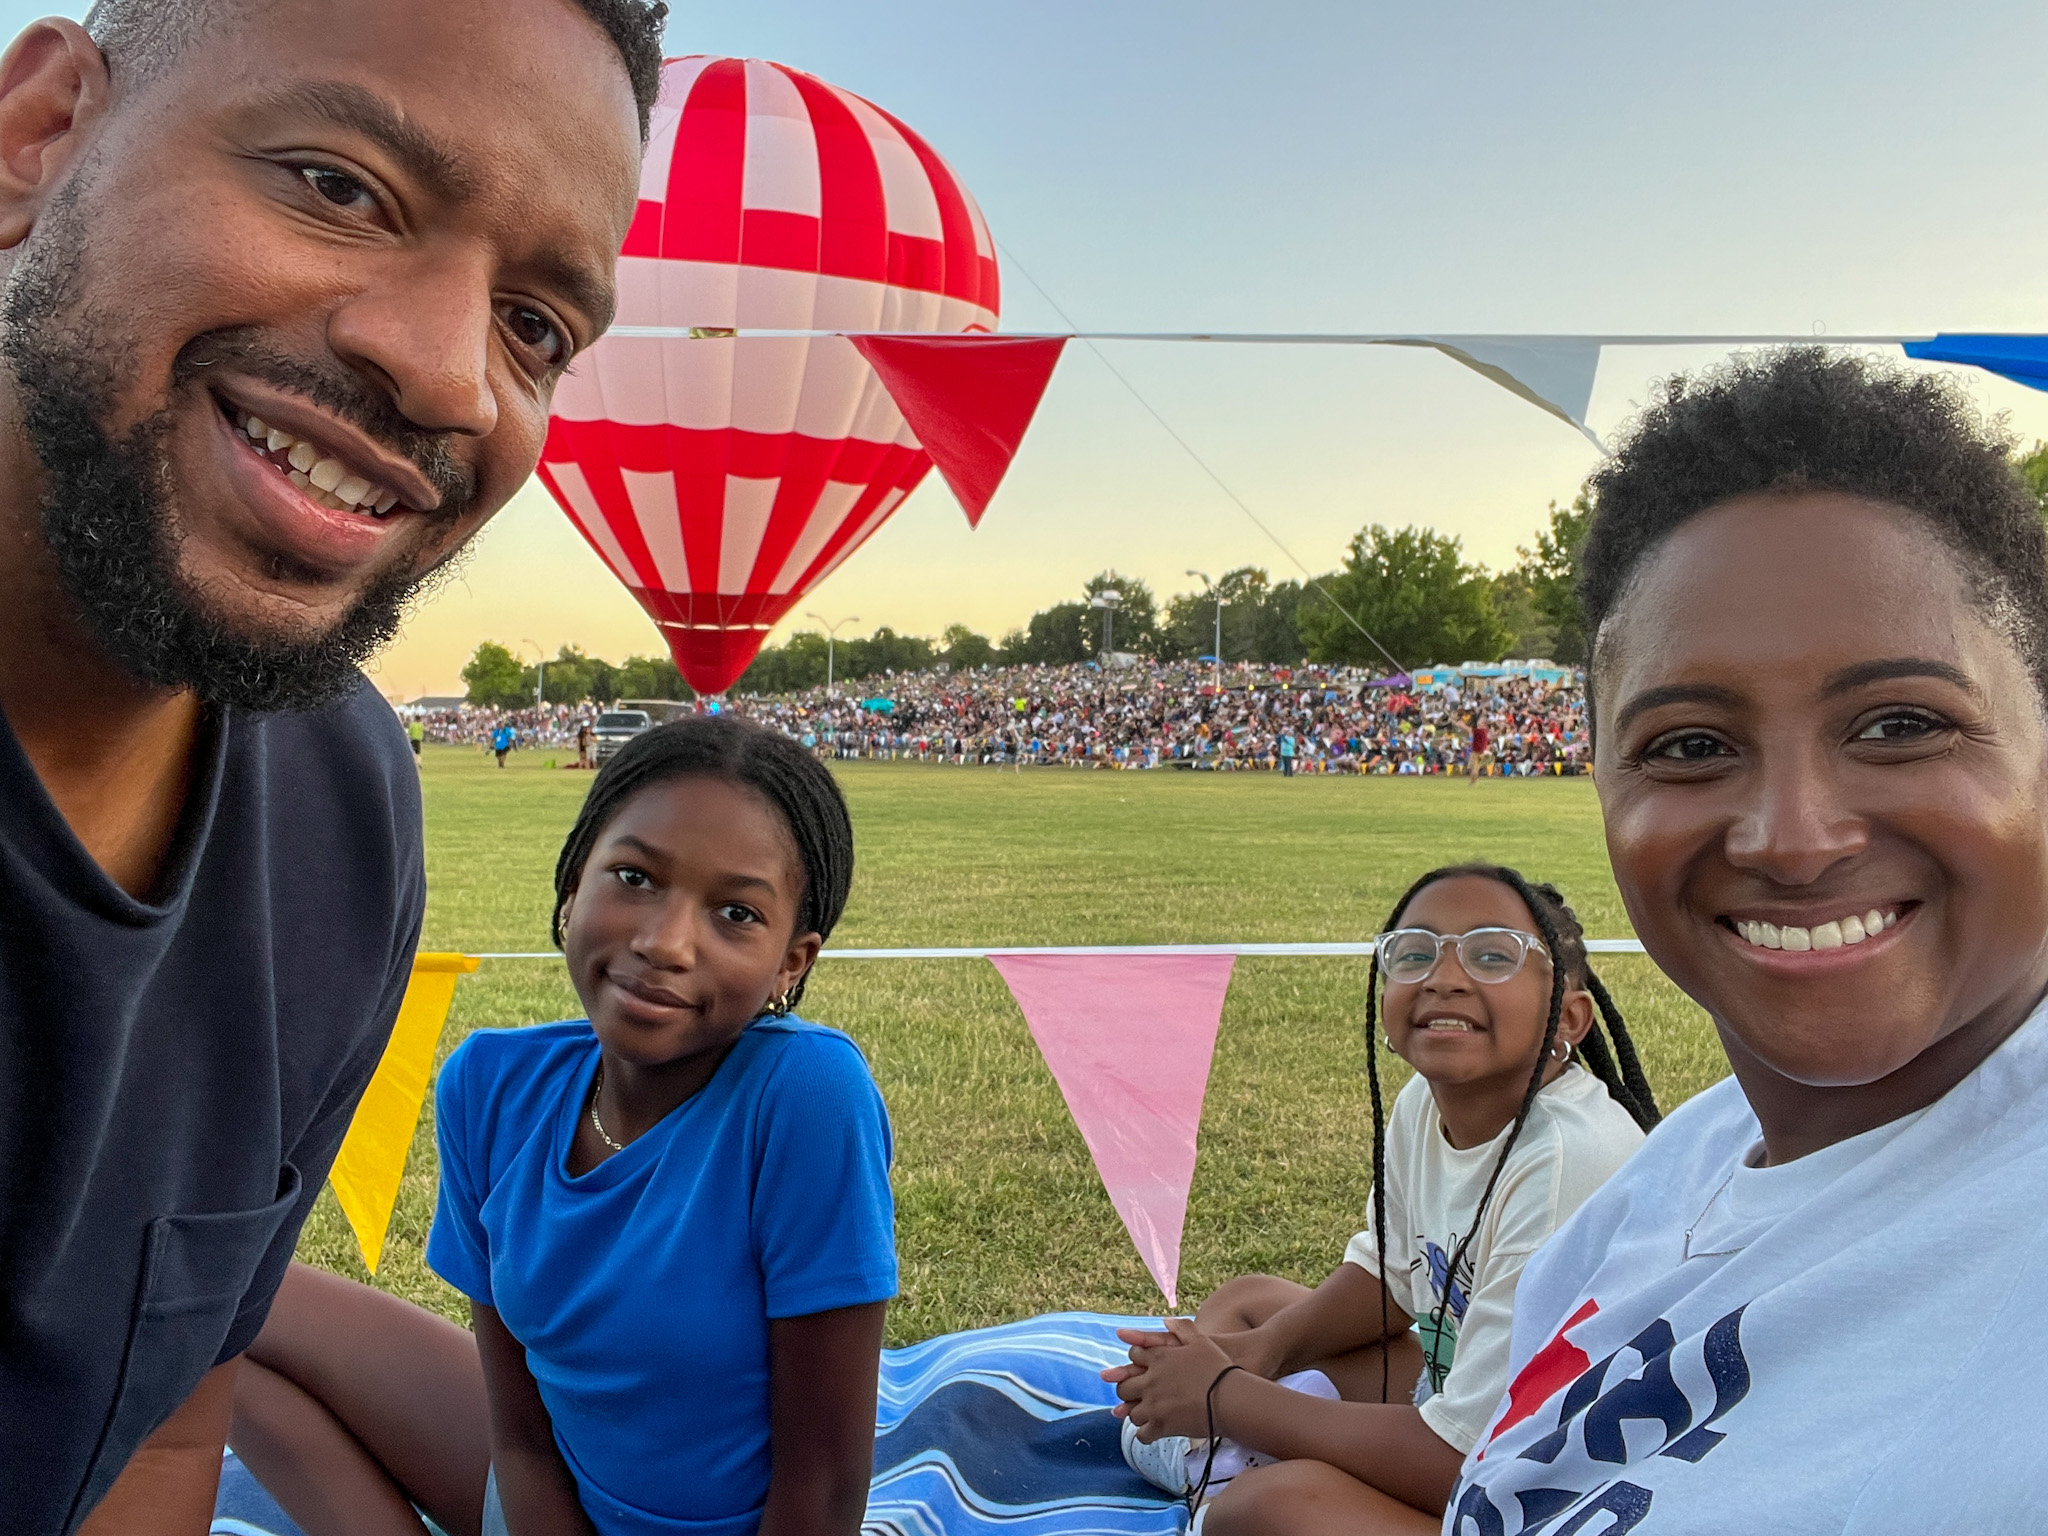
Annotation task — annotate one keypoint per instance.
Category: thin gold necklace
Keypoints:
(604, 1135)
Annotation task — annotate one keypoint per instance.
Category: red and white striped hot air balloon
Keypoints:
(721, 478)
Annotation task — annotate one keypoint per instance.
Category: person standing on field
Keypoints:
(1476, 758)
(502, 740)
(284, 293)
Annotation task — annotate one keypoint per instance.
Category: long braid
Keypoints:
(1611, 1060)
(1379, 1160)
(1639, 1101)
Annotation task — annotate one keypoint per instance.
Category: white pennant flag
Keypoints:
(1553, 373)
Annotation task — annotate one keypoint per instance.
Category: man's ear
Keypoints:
(53, 87)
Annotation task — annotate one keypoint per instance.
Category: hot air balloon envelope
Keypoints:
(722, 477)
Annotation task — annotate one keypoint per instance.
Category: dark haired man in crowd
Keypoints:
(284, 290)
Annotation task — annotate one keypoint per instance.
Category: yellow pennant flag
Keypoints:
(372, 1157)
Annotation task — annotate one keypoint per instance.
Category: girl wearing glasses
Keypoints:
(1354, 1403)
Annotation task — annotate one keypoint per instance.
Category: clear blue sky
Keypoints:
(1366, 166)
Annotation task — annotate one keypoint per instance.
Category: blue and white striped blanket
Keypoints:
(1000, 1430)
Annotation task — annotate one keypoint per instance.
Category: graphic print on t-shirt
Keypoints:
(1564, 1478)
(1440, 1340)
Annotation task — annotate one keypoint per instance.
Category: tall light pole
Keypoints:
(1216, 592)
(831, 634)
(540, 673)
(1109, 599)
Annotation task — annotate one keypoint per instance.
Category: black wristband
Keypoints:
(1209, 1397)
(1200, 1490)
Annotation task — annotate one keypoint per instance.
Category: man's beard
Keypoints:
(106, 511)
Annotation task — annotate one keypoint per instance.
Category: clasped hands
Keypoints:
(1165, 1388)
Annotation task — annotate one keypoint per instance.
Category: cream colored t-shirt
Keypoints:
(1575, 1139)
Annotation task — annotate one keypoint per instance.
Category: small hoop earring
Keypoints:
(1562, 1050)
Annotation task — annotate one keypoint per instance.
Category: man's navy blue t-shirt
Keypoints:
(177, 1074)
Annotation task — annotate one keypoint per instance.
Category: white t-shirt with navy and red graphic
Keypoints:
(1851, 1342)
(1575, 1139)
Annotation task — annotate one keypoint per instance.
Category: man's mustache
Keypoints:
(341, 392)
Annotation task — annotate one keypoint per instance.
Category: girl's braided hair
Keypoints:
(1611, 1059)
(799, 787)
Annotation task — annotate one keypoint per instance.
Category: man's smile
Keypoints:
(324, 480)
(330, 497)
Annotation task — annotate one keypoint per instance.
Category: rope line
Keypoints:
(1356, 949)
(1287, 338)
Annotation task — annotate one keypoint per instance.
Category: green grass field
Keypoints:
(999, 1211)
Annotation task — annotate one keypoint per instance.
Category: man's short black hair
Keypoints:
(144, 36)
(1822, 419)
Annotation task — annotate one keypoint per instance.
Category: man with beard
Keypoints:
(287, 287)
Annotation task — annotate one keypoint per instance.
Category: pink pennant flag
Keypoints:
(1129, 1039)
(968, 398)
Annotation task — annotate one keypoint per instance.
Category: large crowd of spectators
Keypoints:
(537, 725)
(1167, 715)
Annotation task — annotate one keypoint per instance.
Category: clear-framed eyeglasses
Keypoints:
(1490, 955)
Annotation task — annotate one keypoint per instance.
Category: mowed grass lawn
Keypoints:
(1000, 1214)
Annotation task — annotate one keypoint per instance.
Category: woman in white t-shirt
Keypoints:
(1497, 1139)
(1812, 1303)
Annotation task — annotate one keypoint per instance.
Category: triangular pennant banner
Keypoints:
(1553, 373)
(371, 1162)
(2023, 359)
(1129, 1039)
(968, 399)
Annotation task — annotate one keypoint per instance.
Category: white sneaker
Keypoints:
(1175, 1463)
(1163, 1463)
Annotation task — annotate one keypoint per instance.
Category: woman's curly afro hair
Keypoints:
(1822, 419)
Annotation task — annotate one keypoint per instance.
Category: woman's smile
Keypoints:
(1832, 933)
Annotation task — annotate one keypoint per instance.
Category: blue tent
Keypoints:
(880, 706)
(2023, 359)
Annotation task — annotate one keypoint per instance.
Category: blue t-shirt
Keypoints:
(642, 1290)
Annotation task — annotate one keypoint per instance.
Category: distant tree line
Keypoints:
(1412, 588)
(494, 676)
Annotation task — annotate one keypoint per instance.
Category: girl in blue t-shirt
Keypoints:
(672, 1219)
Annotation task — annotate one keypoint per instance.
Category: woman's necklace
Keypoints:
(603, 1134)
